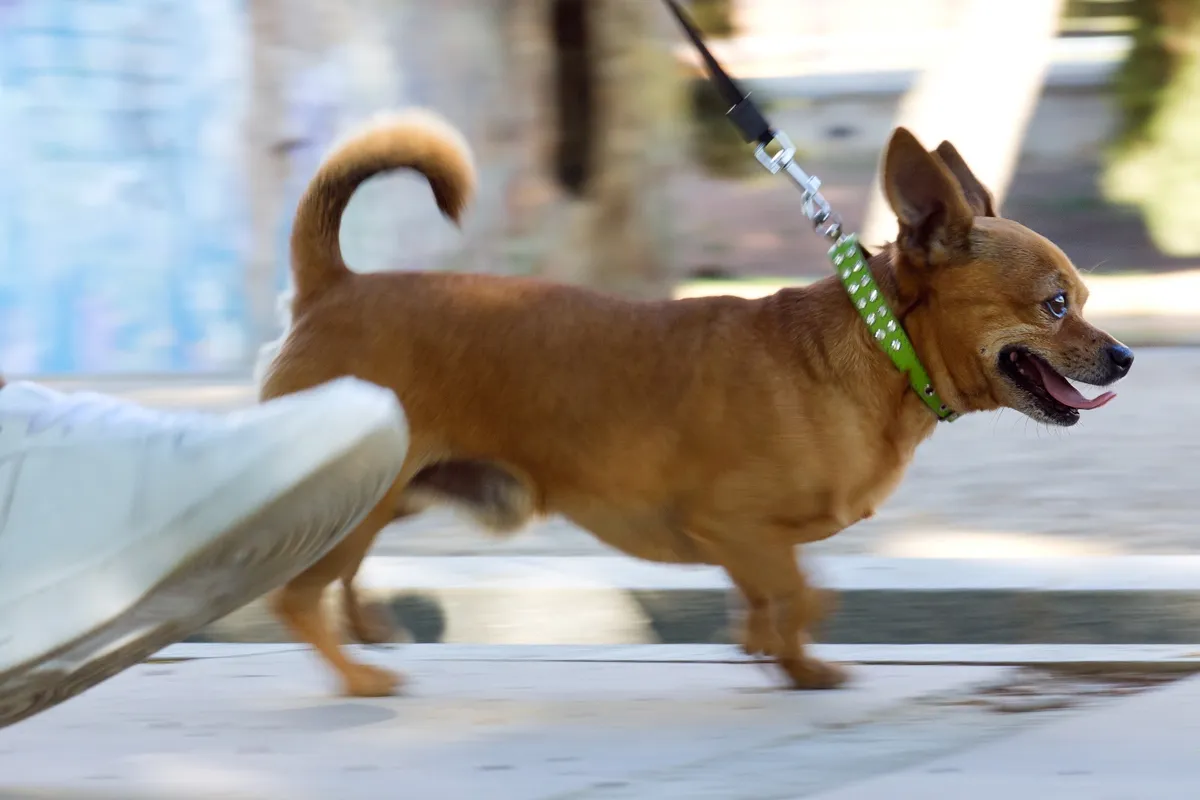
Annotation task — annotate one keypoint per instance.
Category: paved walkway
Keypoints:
(1122, 481)
(609, 724)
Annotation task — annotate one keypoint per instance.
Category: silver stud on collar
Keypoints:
(895, 344)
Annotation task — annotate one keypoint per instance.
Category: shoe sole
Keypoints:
(253, 557)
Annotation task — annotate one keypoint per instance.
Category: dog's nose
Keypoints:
(1121, 357)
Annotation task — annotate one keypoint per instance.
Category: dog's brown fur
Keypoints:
(718, 430)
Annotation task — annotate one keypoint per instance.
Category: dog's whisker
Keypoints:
(996, 420)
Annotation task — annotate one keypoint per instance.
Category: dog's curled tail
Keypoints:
(414, 139)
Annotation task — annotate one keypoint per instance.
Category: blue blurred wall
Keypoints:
(121, 219)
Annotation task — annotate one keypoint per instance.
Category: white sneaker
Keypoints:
(123, 530)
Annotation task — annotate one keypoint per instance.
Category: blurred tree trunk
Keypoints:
(526, 127)
(979, 93)
(589, 203)
(266, 157)
(287, 37)
(573, 108)
(1154, 164)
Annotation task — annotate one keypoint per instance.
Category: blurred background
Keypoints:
(154, 150)
(151, 156)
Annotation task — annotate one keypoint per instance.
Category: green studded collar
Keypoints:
(889, 334)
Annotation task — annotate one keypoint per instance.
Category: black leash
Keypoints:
(742, 112)
(755, 129)
(848, 257)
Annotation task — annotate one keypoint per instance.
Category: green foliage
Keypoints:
(1142, 81)
(1091, 17)
(716, 144)
(714, 18)
(1154, 162)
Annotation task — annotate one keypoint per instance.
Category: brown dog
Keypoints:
(718, 430)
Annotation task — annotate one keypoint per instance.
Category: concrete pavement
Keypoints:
(593, 723)
(1139, 749)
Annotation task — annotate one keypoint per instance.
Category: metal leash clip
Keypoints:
(776, 153)
(775, 150)
(816, 207)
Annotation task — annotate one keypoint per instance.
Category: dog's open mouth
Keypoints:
(1053, 394)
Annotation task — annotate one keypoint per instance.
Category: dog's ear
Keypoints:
(978, 197)
(934, 216)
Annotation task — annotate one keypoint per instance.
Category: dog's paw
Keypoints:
(364, 680)
(812, 673)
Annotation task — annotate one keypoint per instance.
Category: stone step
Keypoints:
(615, 600)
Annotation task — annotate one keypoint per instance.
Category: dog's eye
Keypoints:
(1057, 306)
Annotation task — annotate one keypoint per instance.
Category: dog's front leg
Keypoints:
(782, 607)
(758, 633)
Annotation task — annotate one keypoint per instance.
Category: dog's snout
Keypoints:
(1121, 358)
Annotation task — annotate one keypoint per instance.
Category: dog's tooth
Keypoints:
(1012, 357)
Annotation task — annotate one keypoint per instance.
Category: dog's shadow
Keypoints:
(331, 717)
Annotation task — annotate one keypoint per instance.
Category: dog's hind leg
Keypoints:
(298, 605)
(368, 623)
(494, 496)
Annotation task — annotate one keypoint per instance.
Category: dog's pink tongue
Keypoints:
(1062, 391)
